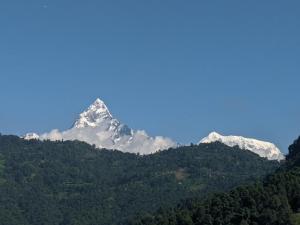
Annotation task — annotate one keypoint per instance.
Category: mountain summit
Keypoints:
(97, 126)
(94, 115)
(262, 148)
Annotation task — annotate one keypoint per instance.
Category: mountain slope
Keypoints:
(262, 148)
(71, 182)
(275, 201)
(97, 126)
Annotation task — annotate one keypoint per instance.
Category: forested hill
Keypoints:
(275, 201)
(73, 183)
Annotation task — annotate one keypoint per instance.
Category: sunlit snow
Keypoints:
(97, 126)
(262, 148)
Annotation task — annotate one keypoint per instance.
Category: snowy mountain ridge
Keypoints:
(262, 148)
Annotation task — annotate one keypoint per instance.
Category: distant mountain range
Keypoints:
(97, 126)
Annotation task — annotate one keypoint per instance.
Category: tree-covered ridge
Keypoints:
(275, 201)
(73, 183)
(293, 158)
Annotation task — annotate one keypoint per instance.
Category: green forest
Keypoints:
(73, 183)
(273, 201)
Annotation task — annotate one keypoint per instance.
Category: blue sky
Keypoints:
(175, 68)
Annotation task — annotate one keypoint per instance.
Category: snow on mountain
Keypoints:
(97, 126)
(30, 136)
(94, 115)
(262, 148)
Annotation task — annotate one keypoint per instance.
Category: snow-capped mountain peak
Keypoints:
(97, 126)
(214, 135)
(94, 115)
(262, 148)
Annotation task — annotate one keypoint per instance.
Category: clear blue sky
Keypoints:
(175, 68)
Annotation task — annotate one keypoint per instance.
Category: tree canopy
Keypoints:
(274, 201)
(73, 183)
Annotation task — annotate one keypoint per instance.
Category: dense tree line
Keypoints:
(73, 183)
(274, 201)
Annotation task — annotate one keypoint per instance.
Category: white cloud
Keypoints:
(139, 142)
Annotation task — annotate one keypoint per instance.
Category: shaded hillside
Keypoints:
(275, 201)
(73, 183)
